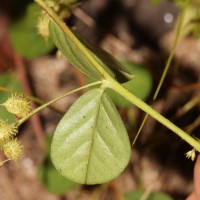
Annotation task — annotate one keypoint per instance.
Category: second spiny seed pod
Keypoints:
(18, 104)
(7, 131)
(13, 149)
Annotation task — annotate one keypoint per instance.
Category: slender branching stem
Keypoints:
(113, 84)
(168, 63)
(21, 121)
(146, 108)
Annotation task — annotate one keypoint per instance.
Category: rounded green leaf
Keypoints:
(24, 36)
(9, 81)
(90, 144)
(53, 181)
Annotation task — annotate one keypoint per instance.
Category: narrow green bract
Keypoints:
(71, 51)
(77, 57)
(90, 144)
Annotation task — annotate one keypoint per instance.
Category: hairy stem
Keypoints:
(21, 121)
(150, 111)
(113, 84)
(168, 63)
(177, 36)
(73, 38)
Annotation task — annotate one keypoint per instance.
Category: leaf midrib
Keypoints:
(93, 136)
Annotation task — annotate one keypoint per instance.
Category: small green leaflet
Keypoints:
(9, 81)
(70, 49)
(90, 144)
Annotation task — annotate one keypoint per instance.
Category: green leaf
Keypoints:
(24, 36)
(9, 81)
(90, 144)
(140, 85)
(152, 196)
(71, 52)
(77, 57)
(53, 181)
(50, 177)
(105, 59)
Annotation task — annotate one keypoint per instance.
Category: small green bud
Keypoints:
(7, 131)
(43, 20)
(43, 26)
(13, 149)
(18, 104)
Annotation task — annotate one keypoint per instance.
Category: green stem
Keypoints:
(3, 89)
(31, 98)
(21, 121)
(111, 83)
(168, 63)
(169, 60)
(97, 65)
